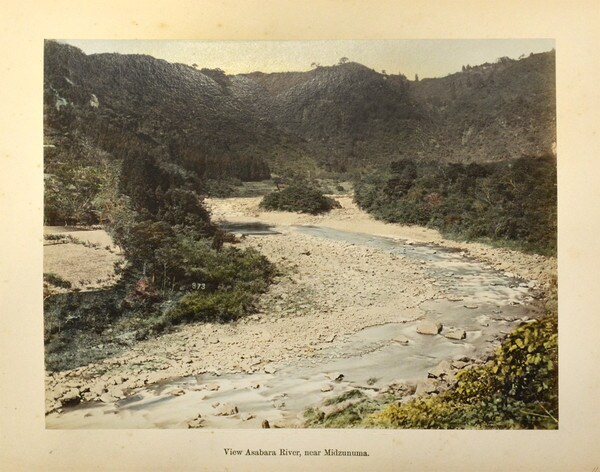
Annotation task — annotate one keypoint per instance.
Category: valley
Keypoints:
(349, 286)
(174, 299)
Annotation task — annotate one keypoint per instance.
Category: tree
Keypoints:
(343, 60)
(416, 77)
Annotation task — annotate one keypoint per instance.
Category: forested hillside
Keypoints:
(136, 144)
(507, 201)
(352, 117)
(343, 117)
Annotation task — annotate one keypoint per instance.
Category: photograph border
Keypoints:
(26, 444)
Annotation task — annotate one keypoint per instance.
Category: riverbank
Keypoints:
(327, 289)
(532, 267)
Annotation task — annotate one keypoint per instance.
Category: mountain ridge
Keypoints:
(343, 117)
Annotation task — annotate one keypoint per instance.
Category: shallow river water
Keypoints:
(480, 300)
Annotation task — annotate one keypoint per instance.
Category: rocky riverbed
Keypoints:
(328, 289)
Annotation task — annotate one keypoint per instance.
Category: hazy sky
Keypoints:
(428, 58)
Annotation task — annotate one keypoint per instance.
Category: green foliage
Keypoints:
(349, 395)
(299, 197)
(69, 195)
(58, 237)
(173, 258)
(74, 324)
(518, 388)
(221, 188)
(56, 280)
(229, 279)
(353, 416)
(524, 368)
(211, 306)
(512, 201)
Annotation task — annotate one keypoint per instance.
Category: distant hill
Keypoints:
(493, 111)
(132, 104)
(341, 118)
(347, 115)
(350, 115)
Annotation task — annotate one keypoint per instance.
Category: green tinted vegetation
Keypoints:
(178, 268)
(299, 197)
(349, 395)
(353, 416)
(508, 202)
(56, 280)
(516, 389)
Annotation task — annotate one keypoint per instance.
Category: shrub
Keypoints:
(299, 197)
(221, 188)
(211, 306)
(56, 280)
(508, 202)
(518, 388)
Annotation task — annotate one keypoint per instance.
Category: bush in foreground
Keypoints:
(299, 197)
(517, 389)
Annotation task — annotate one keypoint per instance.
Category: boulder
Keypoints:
(270, 369)
(176, 392)
(533, 284)
(429, 327)
(459, 364)
(195, 423)
(213, 387)
(58, 392)
(443, 369)
(107, 398)
(426, 387)
(71, 397)
(227, 410)
(456, 333)
(326, 388)
(246, 416)
(98, 389)
(117, 392)
(335, 376)
(401, 339)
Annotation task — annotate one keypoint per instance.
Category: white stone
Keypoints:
(429, 327)
(456, 333)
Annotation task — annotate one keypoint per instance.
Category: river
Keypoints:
(480, 300)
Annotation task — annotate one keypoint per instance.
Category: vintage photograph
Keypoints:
(300, 234)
